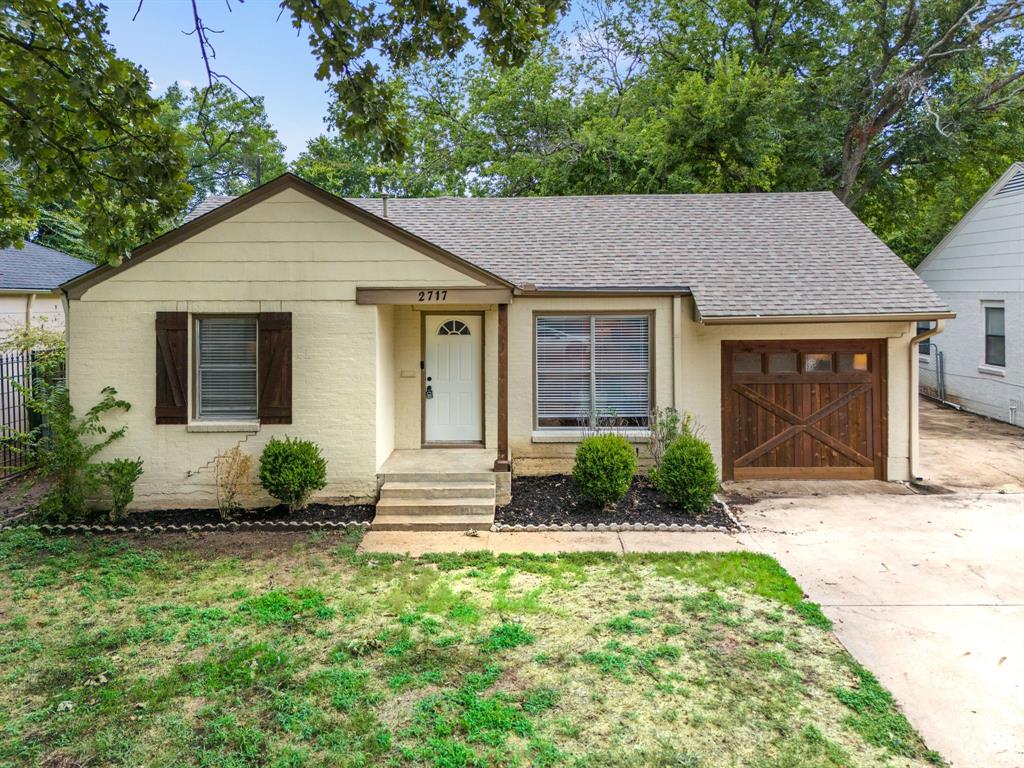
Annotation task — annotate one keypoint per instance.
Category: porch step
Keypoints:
(440, 477)
(438, 489)
(436, 502)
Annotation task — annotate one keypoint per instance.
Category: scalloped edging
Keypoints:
(611, 528)
(740, 527)
(231, 525)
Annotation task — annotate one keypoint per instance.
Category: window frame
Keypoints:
(652, 400)
(924, 348)
(196, 319)
(985, 307)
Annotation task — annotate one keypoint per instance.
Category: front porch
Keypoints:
(440, 489)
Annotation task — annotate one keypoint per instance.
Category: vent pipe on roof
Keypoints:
(384, 203)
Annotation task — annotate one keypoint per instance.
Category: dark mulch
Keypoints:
(314, 513)
(555, 500)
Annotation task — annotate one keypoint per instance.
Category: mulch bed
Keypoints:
(313, 516)
(555, 500)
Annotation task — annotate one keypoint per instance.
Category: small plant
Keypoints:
(64, 451)
(688, 475)
(667, 426)
(120, 476)
(605, 466)
(290, 470)
(233, 468)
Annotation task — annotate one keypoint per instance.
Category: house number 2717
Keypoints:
(432, 295)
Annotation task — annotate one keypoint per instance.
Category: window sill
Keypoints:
(223, 426)
(576, 435)
(992, 370)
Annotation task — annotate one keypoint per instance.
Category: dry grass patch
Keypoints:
(313, 655)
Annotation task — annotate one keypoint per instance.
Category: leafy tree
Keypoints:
(229, 140)
(79, 131)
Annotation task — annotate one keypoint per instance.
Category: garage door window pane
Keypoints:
(782, 362)
(818, 362)
(747, 362)
(853, 361)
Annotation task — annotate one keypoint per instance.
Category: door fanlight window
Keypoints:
(453, 328)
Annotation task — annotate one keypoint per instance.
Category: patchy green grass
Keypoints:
(301, 652)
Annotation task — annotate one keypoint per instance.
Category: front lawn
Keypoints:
(292, 650)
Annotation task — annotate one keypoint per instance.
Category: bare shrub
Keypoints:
(234, 472)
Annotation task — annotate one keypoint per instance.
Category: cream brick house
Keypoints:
(472, 338)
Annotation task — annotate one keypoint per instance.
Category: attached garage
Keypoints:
(804, 410)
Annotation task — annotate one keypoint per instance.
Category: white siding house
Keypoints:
(978, 362)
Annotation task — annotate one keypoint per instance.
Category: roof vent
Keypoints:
(384, 203)
(1015, 184)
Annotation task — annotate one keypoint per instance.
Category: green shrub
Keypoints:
(290, 470)
(688, 475)
(120, 476)
(605, 466)
(65, 445)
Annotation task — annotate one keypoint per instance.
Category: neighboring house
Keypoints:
(978, 269)
(30, 279)
(383, 329)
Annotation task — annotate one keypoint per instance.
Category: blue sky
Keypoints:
(262, 53)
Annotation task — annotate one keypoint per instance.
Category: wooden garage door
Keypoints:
(807, 409)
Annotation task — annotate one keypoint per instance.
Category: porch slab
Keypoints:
(438, 461)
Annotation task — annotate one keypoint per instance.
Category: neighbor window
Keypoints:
(593, 370)
(225, 352)
(924, 347)
(995, 336)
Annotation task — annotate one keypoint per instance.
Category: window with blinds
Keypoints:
(593, 370)
(226, 368)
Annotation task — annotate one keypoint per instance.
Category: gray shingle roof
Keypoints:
(741, 255)
(800, 253)
(38, 268)
(205, 206)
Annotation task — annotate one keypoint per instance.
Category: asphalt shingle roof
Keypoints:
(741, 255)
(38, 268)
(205, 206)
(799, 253)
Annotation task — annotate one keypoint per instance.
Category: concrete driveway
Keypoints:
(927, 591)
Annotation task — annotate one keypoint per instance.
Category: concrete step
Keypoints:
(450, 507)
(437, 522)
(438, 477)
(437, 489)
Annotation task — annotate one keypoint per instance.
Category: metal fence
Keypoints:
(18, 373)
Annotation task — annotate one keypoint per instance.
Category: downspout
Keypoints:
(912, 409)
(677, 353)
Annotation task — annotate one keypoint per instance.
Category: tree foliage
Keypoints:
(229, 140)
(906, 109)
(79, 131)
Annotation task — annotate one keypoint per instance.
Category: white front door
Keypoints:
(453, 378)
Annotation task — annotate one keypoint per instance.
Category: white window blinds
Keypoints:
(226, 368)
(593, 370)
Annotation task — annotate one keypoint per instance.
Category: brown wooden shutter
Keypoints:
(172, 367)
(275, 364)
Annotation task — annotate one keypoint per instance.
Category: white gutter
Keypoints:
(770, 319)
(912, 440)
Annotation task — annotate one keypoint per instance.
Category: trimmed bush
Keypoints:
(605, 466)
(290, 470)
(688, 475)
(120, 476)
